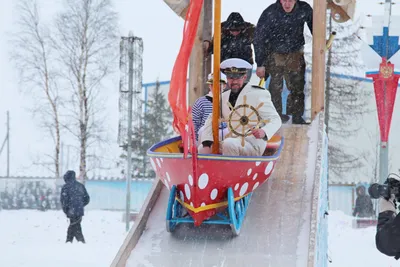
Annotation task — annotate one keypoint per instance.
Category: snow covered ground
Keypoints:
(349, 247)
(37, 239)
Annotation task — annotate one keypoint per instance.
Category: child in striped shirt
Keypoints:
(202, 107)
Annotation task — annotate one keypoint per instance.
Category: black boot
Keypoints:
(284, 118)
(298, 120)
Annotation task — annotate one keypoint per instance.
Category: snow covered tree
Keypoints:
(345, 98)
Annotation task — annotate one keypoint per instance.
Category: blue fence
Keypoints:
(34, 192)
(111, 195)
(321, 258)
(343, 197)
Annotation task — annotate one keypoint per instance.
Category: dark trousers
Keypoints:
(291, 67)
(387, 237)
(75, 230)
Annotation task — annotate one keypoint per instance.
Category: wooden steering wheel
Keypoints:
(239, 120)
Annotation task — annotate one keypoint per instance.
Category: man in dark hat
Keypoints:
(74, 198)
(236, 39)
(278, 45)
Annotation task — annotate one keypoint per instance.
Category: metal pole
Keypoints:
(67, 165)
(129, 150)
(8, 144)
(384, 148)
(61, 168)
(216, 71)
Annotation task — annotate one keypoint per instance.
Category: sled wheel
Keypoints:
(234, 209)
(237, 211)
(174, 210)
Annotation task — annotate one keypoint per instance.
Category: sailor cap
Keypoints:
(210, 78)
(235, 67)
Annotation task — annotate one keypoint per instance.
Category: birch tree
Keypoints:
(35, 61)
(87, 44)
(346, 99)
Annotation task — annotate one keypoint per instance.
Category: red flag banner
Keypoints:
(385, 87)
(177, 95)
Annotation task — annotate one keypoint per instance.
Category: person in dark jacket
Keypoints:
(364, 207)
(236, 39)
(278, 44)
(74, 198)
(387, 238)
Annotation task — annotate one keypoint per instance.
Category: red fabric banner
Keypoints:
(385, 87)
(177, 95)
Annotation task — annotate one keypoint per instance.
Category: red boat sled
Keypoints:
(208, 184)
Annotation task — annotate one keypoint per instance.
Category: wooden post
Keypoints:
(196, 65)
(318, 58)
(207, 35)
(216, 71)
(180, 7)
(197, 68)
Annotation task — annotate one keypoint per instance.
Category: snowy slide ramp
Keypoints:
(280, 228)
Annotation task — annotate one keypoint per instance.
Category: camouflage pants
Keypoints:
(291, 67)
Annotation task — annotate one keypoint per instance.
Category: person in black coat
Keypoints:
(74, 198)
(387, 238)
(364, 207)
(236, 39)
(279, 51)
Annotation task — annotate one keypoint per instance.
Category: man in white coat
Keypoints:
(235, 70)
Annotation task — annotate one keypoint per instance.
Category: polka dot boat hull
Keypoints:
(201, 185)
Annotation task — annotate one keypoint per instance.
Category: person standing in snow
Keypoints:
(278, 45)
(74, 198)
(363, 207)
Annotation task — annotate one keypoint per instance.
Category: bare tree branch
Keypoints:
(87, 44)
(346, 100)
(34, 60)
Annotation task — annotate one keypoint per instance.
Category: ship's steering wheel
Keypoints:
(240, 122)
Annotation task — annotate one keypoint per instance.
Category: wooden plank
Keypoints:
(134, 234)
(196, 65)
(207, 35)
(180, 7)
(313, 244)
(343, 16)
(318, 58)
(216, 70)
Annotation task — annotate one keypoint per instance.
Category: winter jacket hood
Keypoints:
(69, 177)
(234, 21)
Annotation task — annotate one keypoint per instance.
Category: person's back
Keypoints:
(74, 198)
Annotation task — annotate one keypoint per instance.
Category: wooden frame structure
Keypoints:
(342, 11)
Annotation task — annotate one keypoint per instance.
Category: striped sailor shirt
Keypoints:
(201, 109)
